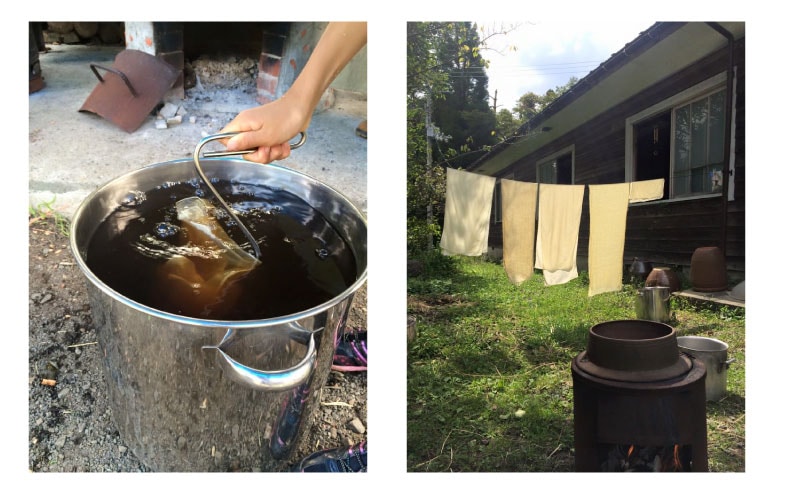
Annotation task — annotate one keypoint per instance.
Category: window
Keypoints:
(557, 168)
(497, 207)
(682, 140)
(698, 149)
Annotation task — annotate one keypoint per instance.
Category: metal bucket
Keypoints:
(190, 394)
(714, 354)
(652, 303)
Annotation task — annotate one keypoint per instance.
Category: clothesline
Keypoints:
(468, 201)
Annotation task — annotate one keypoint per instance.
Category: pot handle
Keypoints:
(261, 380)
(726, 365)
(227, 135)
(117, 72)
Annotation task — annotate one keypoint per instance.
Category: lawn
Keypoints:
(489, 380)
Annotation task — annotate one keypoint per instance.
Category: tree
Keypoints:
(425, 186)
(464, 114)
(449, 121)
(507, 125)
(531, 104)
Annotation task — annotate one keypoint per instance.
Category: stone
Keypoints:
(168, 110)
(356, 426)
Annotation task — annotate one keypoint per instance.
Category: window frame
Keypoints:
(698, 91)
(552, 157)
(497, 199)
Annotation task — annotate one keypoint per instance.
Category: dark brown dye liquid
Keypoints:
(305, 261)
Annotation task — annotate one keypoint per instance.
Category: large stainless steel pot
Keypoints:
(189, 394)
(652, 303)
(714, 354)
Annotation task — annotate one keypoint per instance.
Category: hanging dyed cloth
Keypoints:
(608, 210)
(646, 190)
(519, 226)
(468, 204)
(560, 207)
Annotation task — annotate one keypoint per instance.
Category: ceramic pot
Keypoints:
(663, 276)
(640, 268)
(708, 272)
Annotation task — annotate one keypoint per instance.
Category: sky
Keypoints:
(548, 53)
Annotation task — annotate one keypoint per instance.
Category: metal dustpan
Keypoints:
(130, 89)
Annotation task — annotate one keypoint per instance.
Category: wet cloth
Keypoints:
(646, 190)
(608, 210)
(468, 203)
(560, 209)
(201, 278)
(519, 227)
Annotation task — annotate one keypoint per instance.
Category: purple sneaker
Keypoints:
(351, 351)
(344, 459)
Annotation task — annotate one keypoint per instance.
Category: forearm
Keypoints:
(338, 45)
(268, 127)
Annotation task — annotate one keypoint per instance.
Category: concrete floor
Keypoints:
(72, 153)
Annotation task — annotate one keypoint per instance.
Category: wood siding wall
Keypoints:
(664, 232)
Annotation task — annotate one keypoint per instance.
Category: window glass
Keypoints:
(698, 147)
(555, 171)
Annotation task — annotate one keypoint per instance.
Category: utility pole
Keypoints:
(494, 101)
(429, 159)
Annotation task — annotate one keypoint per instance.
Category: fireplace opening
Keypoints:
(636, 458)
(638, 402)
(220, 40)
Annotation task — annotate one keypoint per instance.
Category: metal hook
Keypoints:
(216, 154)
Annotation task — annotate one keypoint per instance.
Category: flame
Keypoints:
(630, 451)
(676, 457)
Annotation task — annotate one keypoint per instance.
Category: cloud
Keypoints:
(549, 53)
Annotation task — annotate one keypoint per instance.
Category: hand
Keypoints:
(269, 128)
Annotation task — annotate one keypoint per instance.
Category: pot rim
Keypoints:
(236, 324)
(697, 343)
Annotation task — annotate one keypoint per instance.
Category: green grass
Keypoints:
(45, 211)
(489, 380)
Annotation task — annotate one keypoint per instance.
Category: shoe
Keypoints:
(351, 351)
(344, 459)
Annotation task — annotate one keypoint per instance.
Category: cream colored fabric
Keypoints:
(468, 203)
(608, 209)
(557, 236)
(519, 226)
(646, 190)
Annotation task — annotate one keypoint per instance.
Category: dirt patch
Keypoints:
(432, 306)
(70, 423)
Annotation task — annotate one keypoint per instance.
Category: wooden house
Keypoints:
(670, 104)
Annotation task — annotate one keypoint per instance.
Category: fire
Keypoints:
(676, 457)
(632, 458)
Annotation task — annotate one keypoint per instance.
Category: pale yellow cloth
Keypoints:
(560, 208)
(468, 203)
(519, 226)
(608, 210)
(646, 190)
